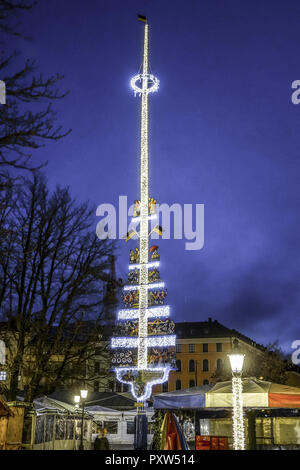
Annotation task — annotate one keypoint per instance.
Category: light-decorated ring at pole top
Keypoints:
(152, 83)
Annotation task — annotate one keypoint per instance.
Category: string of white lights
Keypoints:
(124, 342)
(152, 83)
(135, 220)
(154, 264)
(153, 285)
(153, 312)
(144, 198)
(160, 341)
(120, 372)
(150, 342)
(237, 414)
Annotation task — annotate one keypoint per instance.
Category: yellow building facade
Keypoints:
(202, 350)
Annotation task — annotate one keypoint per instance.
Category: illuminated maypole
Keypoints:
(145, 327)
(144, 195)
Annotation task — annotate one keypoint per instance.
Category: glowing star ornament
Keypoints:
(151, 366)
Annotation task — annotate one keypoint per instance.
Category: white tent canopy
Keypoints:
(256, 393)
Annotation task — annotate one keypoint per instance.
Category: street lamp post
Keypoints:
(81, 399)
(236, 361)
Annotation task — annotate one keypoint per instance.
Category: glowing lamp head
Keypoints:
(77, 398)
(236, 362)
(83, 394)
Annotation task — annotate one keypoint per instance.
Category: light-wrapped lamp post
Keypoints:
(236, 361)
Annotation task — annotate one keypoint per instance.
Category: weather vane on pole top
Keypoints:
(149, 83)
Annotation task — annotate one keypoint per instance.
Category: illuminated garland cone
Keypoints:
(144, 345)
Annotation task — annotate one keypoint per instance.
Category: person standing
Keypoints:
(101, 442)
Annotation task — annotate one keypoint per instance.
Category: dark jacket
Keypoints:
(101, 443)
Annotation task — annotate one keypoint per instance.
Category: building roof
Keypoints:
(117, 401)
(210, 329)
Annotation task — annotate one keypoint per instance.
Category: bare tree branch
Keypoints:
(27, 120)
(51, 269)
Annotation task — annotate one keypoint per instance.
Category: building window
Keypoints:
(192, 365)
(151, 427)
(165, 387)
(205, 382)
(96, 386)
(192, 383)
(191, 348)
(204, 426)
(219, 364)
(178, 384)
(178, 365)
(2, 375)
(111, 385)
(205, 347)
(130, 427)
(111, 426)
(205, 365)
(178, 348)
(219, 347)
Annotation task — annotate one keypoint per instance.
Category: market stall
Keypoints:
(183, 403)
(5, 414)
(272, 414)
(54, 425)
(190, 398)
(256, 393)
(119, 424)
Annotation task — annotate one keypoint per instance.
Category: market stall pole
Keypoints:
(236, 362)
(80, 399)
